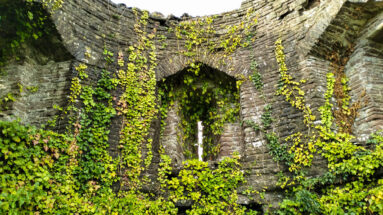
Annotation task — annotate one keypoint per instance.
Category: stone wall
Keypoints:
(365, 72)
(170, 139)
(310, 30)
(39, 78)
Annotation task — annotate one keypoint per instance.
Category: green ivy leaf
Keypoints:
(30, 15)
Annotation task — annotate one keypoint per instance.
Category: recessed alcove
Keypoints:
(208, 98)
(35, 65)
(364, 70)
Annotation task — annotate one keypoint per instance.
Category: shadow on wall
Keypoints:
(35, 66)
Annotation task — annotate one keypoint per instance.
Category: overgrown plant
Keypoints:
(212, 191)
(346, 114)
(23, 22)
(200, 98)
(196, 38)
(47, 172)
(356, 165)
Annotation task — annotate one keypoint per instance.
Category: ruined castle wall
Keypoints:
(310, 30)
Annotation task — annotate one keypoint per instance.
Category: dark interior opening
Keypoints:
(310, 4)
(253, 206)
(284, 15)
(378, 37)
(183, 209)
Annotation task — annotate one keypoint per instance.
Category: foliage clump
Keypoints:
(46, 172)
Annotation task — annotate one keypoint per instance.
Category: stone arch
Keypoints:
(180, 146)
(177, 62)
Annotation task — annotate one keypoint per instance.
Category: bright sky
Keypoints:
(179, 7)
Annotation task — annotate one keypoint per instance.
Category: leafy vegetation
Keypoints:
(355, 165)
(44, 172)
(211, 191)
(47, 172)
(22, 22)
(256, 76)
(204, 97)
(202, 94)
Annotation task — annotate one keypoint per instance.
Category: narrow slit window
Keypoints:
(200, 140)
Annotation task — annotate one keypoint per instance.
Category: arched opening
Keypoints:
(199, 106)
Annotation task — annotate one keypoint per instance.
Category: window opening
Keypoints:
(204, 101)
(200, 140)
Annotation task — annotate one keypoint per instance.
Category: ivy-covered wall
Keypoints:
(304, 76)
(35, 66)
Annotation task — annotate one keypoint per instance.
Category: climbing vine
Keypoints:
(347, 112)
(301, 150)
(355, 165)
(200, 99)
(197, 100)
(8, 99)
(211, 191)
(74, 172)
(137, 104)
(23, 22)
(256, 76)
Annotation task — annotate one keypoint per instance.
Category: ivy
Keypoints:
(53, 5)
(256, 76)
(41, 174)
(346, 114)
(291, 89)
(196, 103)
(278, 150)
(198, 36)
(212, 191)
(46, 172)
(92, 139)
(6, 100)
(137, 104)
(214, 104)
(354, 164)
(303, 202)
(23, 22)
(266, 120)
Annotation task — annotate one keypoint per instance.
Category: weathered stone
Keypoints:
(310, 32)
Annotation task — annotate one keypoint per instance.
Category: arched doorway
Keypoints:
(195, 103)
